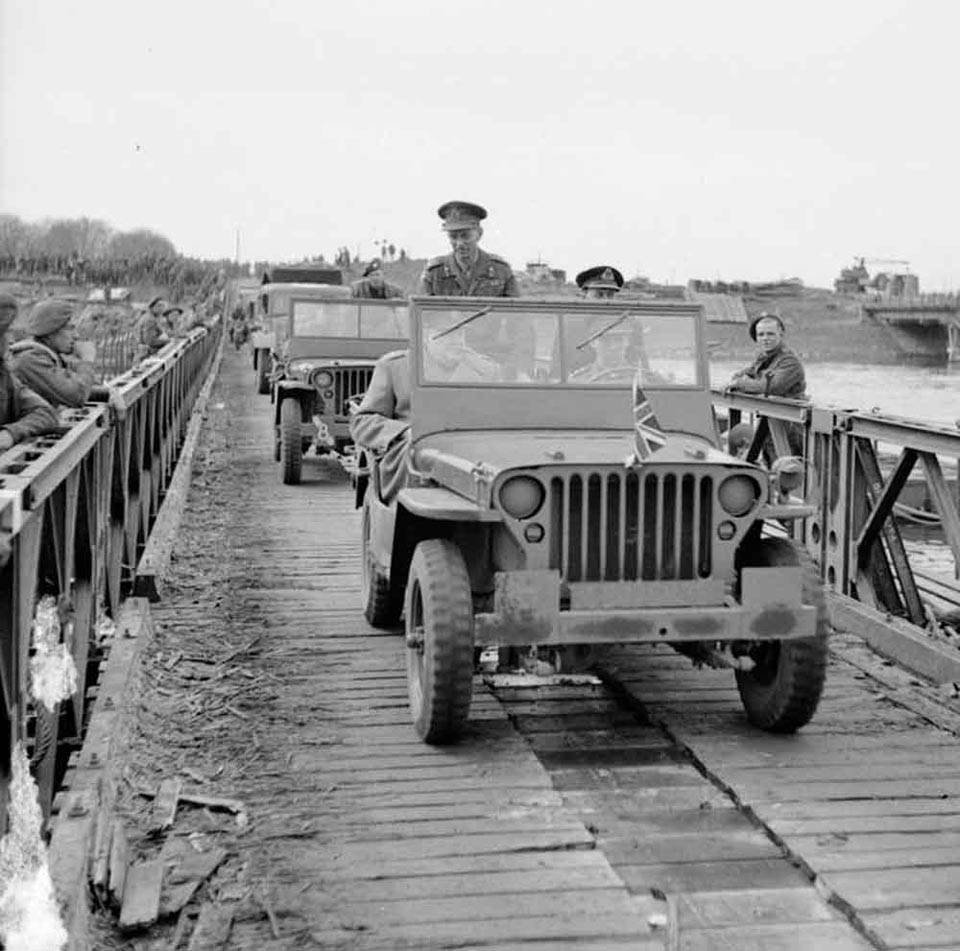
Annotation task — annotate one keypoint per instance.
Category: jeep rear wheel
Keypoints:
(439, 636)
(381, 604)
(263, 372)
(781, 693)
(291, 442)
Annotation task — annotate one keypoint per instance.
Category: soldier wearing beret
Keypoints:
(600, 283)
(46, 359)
(22, 412)
(468, 271)
(373, 285)
(151, 334)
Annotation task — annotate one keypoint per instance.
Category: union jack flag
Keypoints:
(648, 436)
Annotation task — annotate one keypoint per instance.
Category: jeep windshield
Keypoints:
(544, 348)
(354, 319)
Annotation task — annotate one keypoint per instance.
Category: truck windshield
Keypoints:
(538, 348)
(350, 319)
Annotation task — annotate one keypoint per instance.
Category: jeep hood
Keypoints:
(511, 450)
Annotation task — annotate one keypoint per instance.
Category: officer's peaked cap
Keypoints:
(752, 329)
(601, 276)
(461, 214)
(48, 317)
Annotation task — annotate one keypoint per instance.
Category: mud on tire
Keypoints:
(781, 693)
(439, 634)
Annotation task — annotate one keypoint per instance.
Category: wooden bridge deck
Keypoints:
(634, 812)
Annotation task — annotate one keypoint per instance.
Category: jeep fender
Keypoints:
(435, 512)
(291, 389)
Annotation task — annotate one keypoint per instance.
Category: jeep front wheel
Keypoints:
(782, 690)
(263, 372)
(291, 441)
(381, 603)
(439, 637)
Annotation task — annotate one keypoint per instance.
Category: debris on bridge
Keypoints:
(53, 673)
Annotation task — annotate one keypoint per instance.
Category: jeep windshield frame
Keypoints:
(532, 380)
(338, 328)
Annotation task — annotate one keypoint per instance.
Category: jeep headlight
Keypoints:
(521, 496)
(738, 494)
(321, 379)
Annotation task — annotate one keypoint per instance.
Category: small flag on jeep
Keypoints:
(647, 434)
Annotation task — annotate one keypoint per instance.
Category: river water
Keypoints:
(927, 394)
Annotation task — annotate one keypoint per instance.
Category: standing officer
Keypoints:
(47, 361)
(468, 271)
(600, 283)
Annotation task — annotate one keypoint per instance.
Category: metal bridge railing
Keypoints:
(115, 354)
(856, 468)
(76, 508)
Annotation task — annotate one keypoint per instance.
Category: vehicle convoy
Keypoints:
(327, 348)
(273, 301)
(538, 519)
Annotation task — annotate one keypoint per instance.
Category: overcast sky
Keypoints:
(743, 139)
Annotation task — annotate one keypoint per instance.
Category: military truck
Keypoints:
(547, 509)
(328, 346)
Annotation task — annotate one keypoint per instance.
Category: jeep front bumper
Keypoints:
(527, 611)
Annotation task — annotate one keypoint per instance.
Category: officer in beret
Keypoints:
(373, 285)
(46, 359)
(22, 412)
(777, 370)
(600, 283)
(151, 334)
(468, 271)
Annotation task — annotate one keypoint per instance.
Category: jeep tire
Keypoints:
(381, 604)
(263, 372)
(439, 636)
(781, 693)
(291, 441)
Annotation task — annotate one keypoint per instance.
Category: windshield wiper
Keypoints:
(462, 322)
(603, 330)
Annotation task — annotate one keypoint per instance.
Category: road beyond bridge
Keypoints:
(273, 795)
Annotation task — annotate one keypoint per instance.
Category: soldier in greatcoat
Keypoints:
(46, 360)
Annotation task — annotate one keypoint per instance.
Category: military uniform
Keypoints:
(489, 276)
(381, 423)
(23, 413)
(150, 335)
(61, 382)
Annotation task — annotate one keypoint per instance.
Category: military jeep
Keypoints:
(559, 497)
(329, 347)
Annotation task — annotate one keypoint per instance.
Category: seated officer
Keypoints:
(46, 359)
(600, 283)
(373, 285)
(614, 357)
(448, 358)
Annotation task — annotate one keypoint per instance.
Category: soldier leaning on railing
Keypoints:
(23, 413)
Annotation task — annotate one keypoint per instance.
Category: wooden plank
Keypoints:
(141, 895)
(819, 935)
(845, 825)
(932, 788)
(846, 808)
(886, 890)
(212, 930)
(656, 849)
(165, 805)
(117, 861)
(708, 910)
(916, 927)
(711, 876)
(904, 859)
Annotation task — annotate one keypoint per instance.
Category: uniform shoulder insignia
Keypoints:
(497, 259)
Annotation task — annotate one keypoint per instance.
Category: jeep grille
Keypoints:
(630, 526)
(347, 383)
